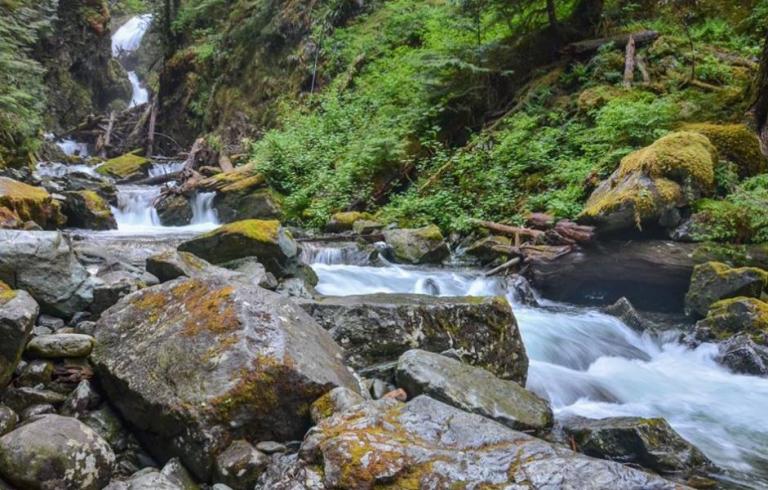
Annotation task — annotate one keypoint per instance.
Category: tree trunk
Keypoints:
(629, 63)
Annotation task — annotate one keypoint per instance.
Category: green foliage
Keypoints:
(738, 218)
(129, 7)
(22, 97)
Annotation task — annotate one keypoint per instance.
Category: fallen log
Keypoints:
(514, 231)
(160, 179)
(619, 41)
(574, 232)
(503, 267)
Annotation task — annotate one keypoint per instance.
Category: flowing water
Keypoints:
(593, 365)
(127, 40)
(140, 95)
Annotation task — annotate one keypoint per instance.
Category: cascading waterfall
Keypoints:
(591, 364)
(139, 95)
(58, 170)
(126, 40)
(71, 147)
(203, 212)
(340, 253)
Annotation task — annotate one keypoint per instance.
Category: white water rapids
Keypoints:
(591, 364)
(126, 40)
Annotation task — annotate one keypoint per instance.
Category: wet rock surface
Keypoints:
(713, 281)
(18, 312)
(418, 245)
(222, 358)
(374, 329)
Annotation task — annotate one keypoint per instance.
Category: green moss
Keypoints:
(30, 203)
(736, 143)
(6, 293)
(266, 231)
(593, 98)
(95, 203)
(431, 232)
(738, 315)
(125, 166)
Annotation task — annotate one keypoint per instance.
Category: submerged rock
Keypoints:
(652, 183)
(650, 443)
(29, 203)
(272, 244)
(18, 312)
(87, 209)
(417, 246)
(196, 363)
(428, 444)
(472, 389)
(55, 452)
(45, 266)
(713, 281)
(378, 328)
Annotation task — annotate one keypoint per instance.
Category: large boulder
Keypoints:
(126, 167)
(472, 389)
(45, 266)
(30, 203)
(272, 244)
(174, 210)
(428, 444)
(18, 312)
(345, 221)
(171, 264)
(242, 194)
(87, 209)
(417, 245)
(378, 328)
(713, 281)
(196, 363)
(652, 183)
(735, 143)
(650, 443)
(55, 452)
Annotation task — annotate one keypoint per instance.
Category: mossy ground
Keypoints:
(265, 231)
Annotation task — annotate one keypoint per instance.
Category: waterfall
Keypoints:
(135, 208)
(338, 253)
(140, 94)
(71, 147)
(158, 169)
(126, 40)
(202, 209)
(591, 364)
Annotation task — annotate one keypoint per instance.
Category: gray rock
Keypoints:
(22, 397)
(50, 322)
(624, 311)
(742, 355)
(254, 270)
(112, 286)
(713, 281)
(60, 345)
(650, 443)
(174, 210)
(108, 425)
(146, 479)
(35, 373)
(240, 465)
(18, 312)
(172, 264)
(336, 400)
(521, 290)
(178, 474)
(44, 265)
(81, 400)
(417, 246)
(271, 447)
(377, 328)
(195, 363)
(8, 419)
(37, 410)
(472, 389)
(55, 452)
(428, 444)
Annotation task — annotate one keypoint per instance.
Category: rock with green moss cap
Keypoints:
(429, 444)
(195, 363)
(733, 316)
(651, 184)
(472, 389)
(130, 166)
(648, 442)
(174, 210)
(272, 244)
(417, 245)
(376, 329)
(18, 312)
(87, 209)
(242, 194)
(29, 203)
(344, 221)
(735, 143)
(56, 452)
(713, 281)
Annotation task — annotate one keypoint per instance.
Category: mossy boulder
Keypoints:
(30, 203)
(648, 442)
(174, 210)
(735, 143)
(652, 183)
(18, 312)
(417, 245)
(376, 329)
(713, 281)
(130, 166)
(87, 209)
(56, 452)
(489, 248)
(344, 221)
(272, 244)
(429, 444)
(734, 316)
(242, 194)
(196, 363)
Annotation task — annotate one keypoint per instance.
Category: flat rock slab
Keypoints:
(61, 345)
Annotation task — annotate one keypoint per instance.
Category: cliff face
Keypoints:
(81, 76)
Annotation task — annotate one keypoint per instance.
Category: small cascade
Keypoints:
(203, 211)
(125, 41)
(159, 169)
(71, 147)
(135, 207)
(349, 253)
(140, 95)
(58, 170)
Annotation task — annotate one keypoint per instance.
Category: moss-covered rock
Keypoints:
(713, 281)
(126, 167)
(242, 194)
(593, 98)
(272, 244)
(734, 316)
(736, 143)
(87, 209)
(417, 245)
(344, 221)
(174, 210)
(217, 357)
(651, 183)
(30, 203)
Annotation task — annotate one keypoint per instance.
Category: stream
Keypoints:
(584, 362)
